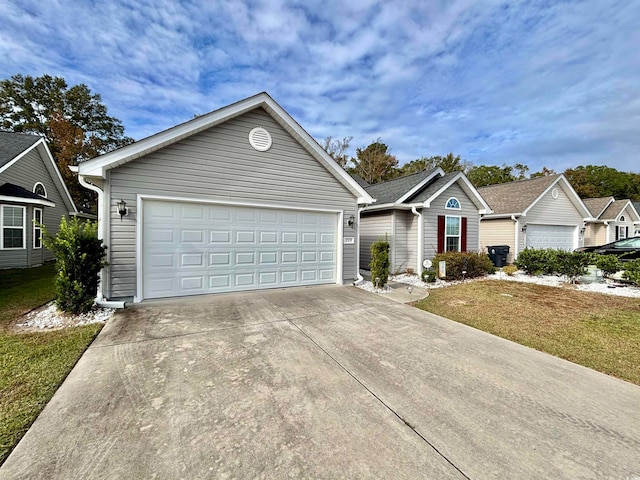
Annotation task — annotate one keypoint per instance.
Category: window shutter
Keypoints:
(440, 233)
(617, 232)
(463, 240)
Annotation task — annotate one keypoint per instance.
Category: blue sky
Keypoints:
(544, 83)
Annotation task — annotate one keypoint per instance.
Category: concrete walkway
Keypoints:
(324, 382)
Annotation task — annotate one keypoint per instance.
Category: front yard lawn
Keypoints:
(32, 365)
(598, 331)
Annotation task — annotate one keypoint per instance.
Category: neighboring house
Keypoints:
(636, 205)
(420, 215)
(241, 198)
(542, 212)
(612, 220)
(31, 189)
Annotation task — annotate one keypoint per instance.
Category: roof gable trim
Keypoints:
(21, 154)
(482, 205)
(573, 197)
(424, 182)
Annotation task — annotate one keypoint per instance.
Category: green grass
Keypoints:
(598, 331)
(32, 365)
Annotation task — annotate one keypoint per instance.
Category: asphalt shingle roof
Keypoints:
(432, 188)
(613, 210)
(11, 190)
(361, 181)
(596, 205)
(13, 144)
(515, 197)
(391, 190)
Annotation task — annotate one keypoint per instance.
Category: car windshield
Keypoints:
(628, 243)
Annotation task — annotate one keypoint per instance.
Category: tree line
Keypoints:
(375, 164)
(77, 127)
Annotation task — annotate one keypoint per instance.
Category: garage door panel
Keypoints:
(213, 248)
(550, 236)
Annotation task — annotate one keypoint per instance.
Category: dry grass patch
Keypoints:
(598, 331)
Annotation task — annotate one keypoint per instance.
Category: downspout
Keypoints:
(359, 278)
(420, 251)
(607, 233)
(101, 301)
(517, 237)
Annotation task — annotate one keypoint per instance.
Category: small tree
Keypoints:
(79, 257)
(379, 263)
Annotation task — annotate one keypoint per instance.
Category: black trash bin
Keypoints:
(498, 254)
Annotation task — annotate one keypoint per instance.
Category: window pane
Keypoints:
(12, 216)
(37, 215)
(453, 203)
(453, 226)
(452, 244)
(12, 238)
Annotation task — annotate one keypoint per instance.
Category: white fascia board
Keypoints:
(611, 200)
(391, 206)
(499, 215)
(31, 201)
(438, 171)
(573, 196)
(47, 153)
(481, 204)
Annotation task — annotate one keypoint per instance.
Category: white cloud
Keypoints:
(544, 84)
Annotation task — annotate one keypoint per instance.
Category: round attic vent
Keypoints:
(554, 193)
(260, 139)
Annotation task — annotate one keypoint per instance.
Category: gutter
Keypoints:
(420, 251)
(359, 278)
(101, 301)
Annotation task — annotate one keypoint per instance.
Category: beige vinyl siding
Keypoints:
(220, 165)
(554, 211)
(467, 209)
(498, 231)
(26, 172)
(373, 226)
(595, 234)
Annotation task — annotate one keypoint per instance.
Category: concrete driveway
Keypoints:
(324, 382)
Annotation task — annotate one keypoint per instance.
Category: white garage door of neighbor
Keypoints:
(550, 236)
(191, 249)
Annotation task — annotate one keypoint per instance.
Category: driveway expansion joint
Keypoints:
(381, 401)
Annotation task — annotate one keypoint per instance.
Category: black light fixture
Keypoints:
(122, 208)
(524, 228)
(351, 221)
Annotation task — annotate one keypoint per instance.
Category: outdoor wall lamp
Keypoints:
(524, 228)
(122, 208)
(351, 222)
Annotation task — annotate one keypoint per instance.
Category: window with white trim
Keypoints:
(12, 219)
(622, 219)
(453, 203)
(452, 234)
(39, 189)
(37, 230)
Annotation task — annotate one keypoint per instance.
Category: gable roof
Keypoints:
(98, 166)
(13, 144)
(361, 181)
(392, 191)
(516, 198)
(597, 205)
(615, 209)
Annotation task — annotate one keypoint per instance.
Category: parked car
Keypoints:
(626, 249)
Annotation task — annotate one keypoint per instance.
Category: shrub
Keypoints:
(79, 257)
(510, 269)
(410, 271)
(535, 261)
(428, 276)
(632, 271)
(609, 264)
(571, 264)
(380, 262)
(461, 265)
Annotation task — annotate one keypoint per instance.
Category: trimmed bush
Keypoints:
(79, 257)
(571, 264)
(380, 263)
(461, 265)
(632, 271)
(537, 261)
(609, 264)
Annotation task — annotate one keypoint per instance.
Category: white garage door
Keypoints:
(550, 236)
(191, 249)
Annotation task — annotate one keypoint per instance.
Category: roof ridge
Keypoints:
(522, 180)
